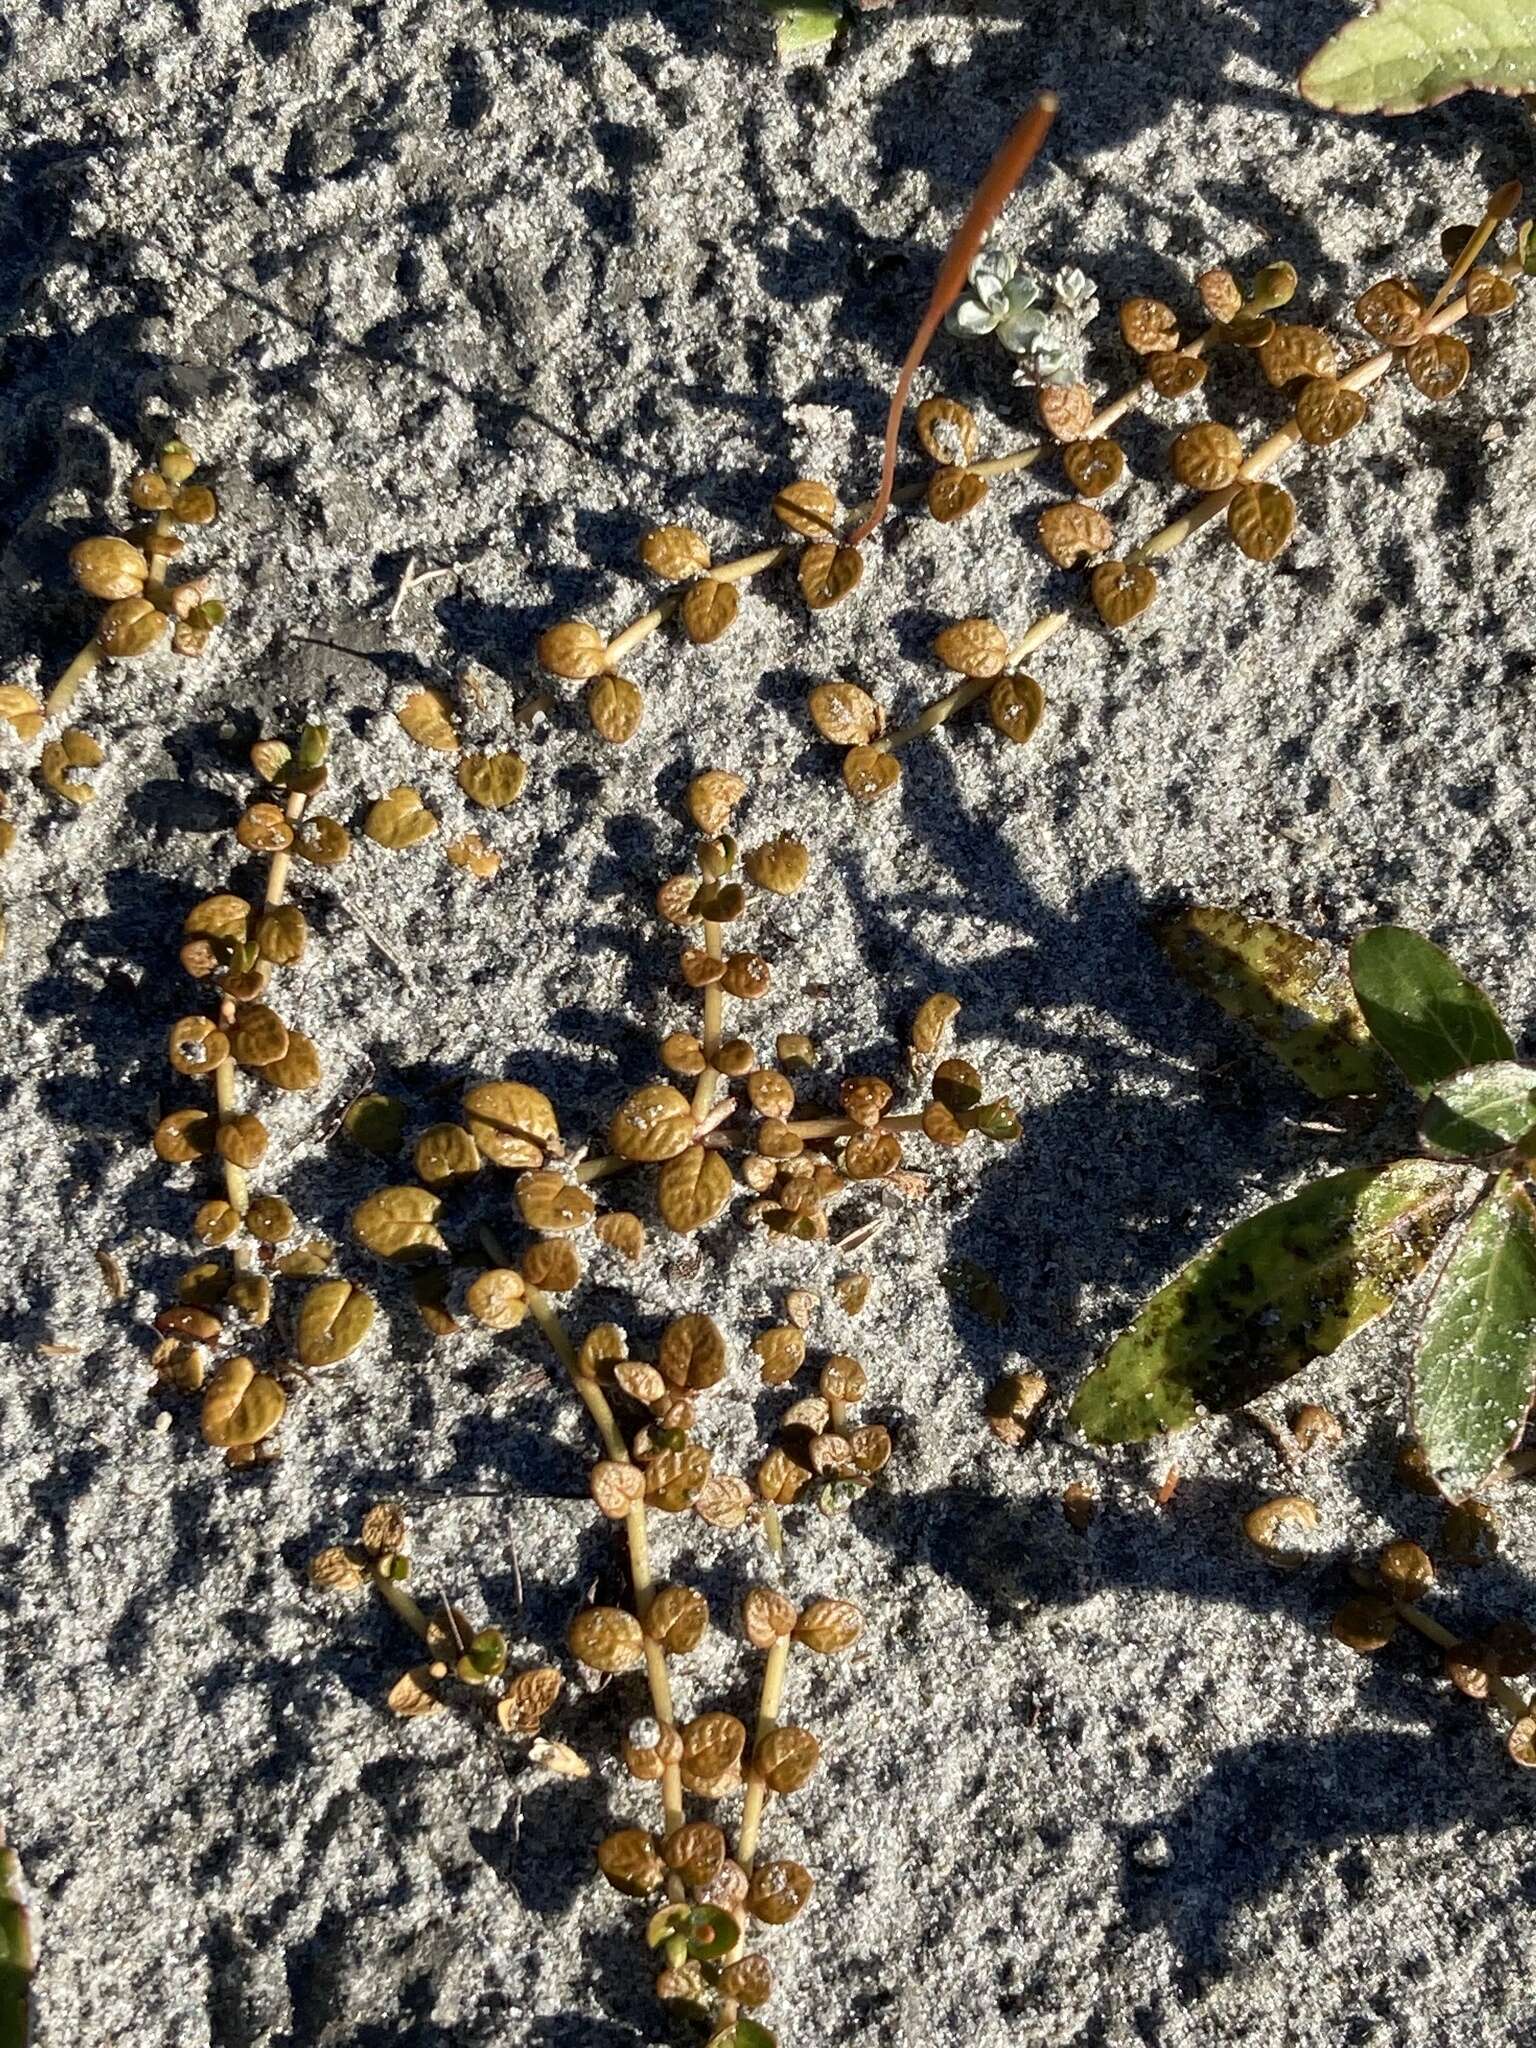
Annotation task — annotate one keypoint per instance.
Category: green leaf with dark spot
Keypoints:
(1485, 1110)
(1422, 1010)
(1408, 54)
(1280, 1289)
(1288, 988)
(1476, 1372)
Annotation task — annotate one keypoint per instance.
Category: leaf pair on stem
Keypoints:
(1299, 1279)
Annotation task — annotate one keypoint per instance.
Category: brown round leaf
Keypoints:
(786, 1758)
(708, 609)
(952, 493)
(1437, 366)
(780, 866)
(1390, 312)
(513, 1124)
(1066, 410)
(692, 1353)
(616, 1487)
(492, 780)
(623, 1232)
(197, 1046)
(1071, 533)
(712, 796)
(972, 647)
(807, 507)
(781, 1353)
(606, 1639)
(845, 714)
(334, 1319)
(1172, 374)
(677, 1618)
(829, 1626)
(1206, 457)
(778, 1891)
(1093, 467)
(1489, 293)
(552, 1266)
(572, 650)
(1016, 705)
(241, 1139)
(767, 1617)
(827, 574)
(869, 772)
(322, 841)
(264, 829)
(871, 1155)
(282, 934)
(241, 1405)
(1327, 410)
(548, 1202)
(693, 1188)
(674, 552)
(108, 568)
(445, 1154)
(652, 1124)
(946, 430)
(427, 716)
(398, 1224)
(724, 1501)
(399, 819)
(615, 707)
(1122, 591)
(1149, 326)
(497, 1298)
(629, 1862)
(258, 1035)
(299, 1067)
(1295, 350)
(1220, 294)
(1261, 518)
(528, 1699)
(713, 1744)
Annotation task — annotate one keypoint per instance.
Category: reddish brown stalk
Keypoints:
(1003, 173)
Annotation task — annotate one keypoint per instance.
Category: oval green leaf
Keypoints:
(711, 1933)
(1411, 53)
(1280, 1289)
(1288, 988)
(744, 2033)
(1476, 1372)
(1422, 1010)
(1485, 1110)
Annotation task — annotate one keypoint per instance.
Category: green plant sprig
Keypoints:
(463, 1666)
(1294, 1282)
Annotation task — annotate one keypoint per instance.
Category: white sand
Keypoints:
(496, 287)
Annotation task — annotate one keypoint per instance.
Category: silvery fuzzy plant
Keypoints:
(1295, 1281)
(1004, 299)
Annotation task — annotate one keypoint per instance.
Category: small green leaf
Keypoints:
(1476, 1372)
(1280, 1289)
(1422, 1010)
(375, 1122)
(743, 2033)
(1408, 54)
(974, 1288)
(1485, 1110)
(803, 28)
(1288, 988)
(994, 1120)
(710, 1933)
(669, 1922)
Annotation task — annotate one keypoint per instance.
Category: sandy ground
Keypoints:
(496, 286)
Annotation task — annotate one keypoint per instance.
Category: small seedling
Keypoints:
(144, 612)
(234, 947)
(1207, 456)
(1294, 1282)
(463, 1667)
